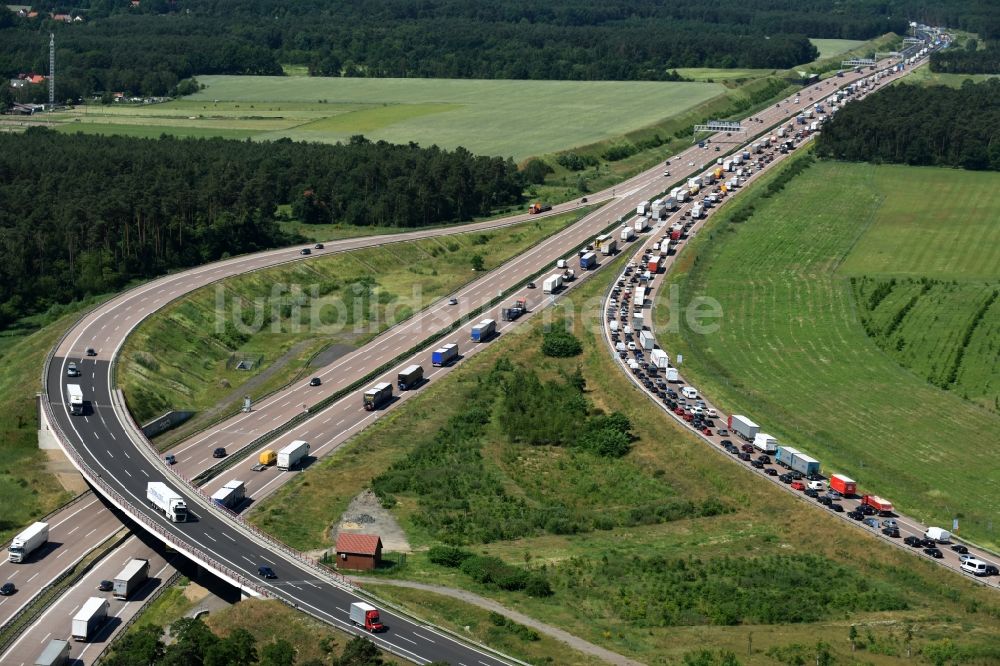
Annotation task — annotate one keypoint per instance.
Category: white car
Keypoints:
(631, 346)
(711, 412)
(690, 163)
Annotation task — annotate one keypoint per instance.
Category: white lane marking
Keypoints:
(423, 637)
(33, 576)
(228, 537)
(413, 642)
(211, 537)
(144, 472)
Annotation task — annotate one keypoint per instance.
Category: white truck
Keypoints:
(673, 375)
(660, 359)
(609, 247)
(552, 283)
(765, 443)
(27, 542)
(638, 320)
(135, 573)
(627, 234)
(646, 340)
(56, 653)
(291, 455)
(75, 396)
(640, 224)
(743, 427)
(167, 501)
(642, 209)
(89, 618)
(696, 211)
(366, 616)
(938, 534)
(230, 495)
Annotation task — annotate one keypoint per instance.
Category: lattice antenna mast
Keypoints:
(52, 69)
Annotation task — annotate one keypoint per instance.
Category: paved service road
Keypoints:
(102, 440)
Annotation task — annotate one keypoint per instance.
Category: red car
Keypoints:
(798, 485)
(707, 432)
(679, 411)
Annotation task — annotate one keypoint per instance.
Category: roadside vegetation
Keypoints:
(186, 356)
(250, 632)
(809, 343)
(762, 569)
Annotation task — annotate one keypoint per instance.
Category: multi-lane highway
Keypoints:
(112, 454)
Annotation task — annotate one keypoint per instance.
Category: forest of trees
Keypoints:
(149, 49)
(970, 59)
(84, 215)
(919, 125)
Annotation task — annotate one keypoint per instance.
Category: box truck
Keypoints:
(483, 331)
(444, 355)
(785, 455)
(291, 455)
(56, 653)
(743, 427)
(167, 501)
(588, 261)
(27, 542)
(90, 618)
(230, 495)
(366, 615)
(765, 443)
(673, 375)
(609, 247)
(410, 377)
(844, 485)
(552, 284)
(805, 465)
(642, 208)
(660, 359)
(135, 573)
(638, 320)
(374, 398)
(646, 340)
(627, 234)
(75, 396)
(640, 224)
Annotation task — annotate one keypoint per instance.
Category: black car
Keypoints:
(784, 478)
(757, 464)
(319, 246)
(934, 552)
(219, 452)
(797, 476)
(106, 586)
(824, 500)
(991, 570)
(891, 532)
(531, 285)
(835, 507)
(735, 451)
(913, 541)
(867, 510)
(315, 381)
(770, 471)
(265, 571)
(764, 459)
(305, 250)
(744, 456)
(7, 589)
(809, 492)
(929, 543)
(855, 515)
(726, 442)
(960, 549)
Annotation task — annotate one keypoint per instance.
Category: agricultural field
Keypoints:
(834, 47)
(795, 283)
(158, 370)
(656, 554)
(509, 118)
(924, 76)
(719, 74)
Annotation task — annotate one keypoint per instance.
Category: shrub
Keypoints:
(448, 556)
(560, 343)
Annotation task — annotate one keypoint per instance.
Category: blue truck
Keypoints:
(484, 330)
(445, 355)
(588, 261)
(785, 455)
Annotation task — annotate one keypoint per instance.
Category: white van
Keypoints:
(974, 567)
(816, 485)
(938, 534)
(689, 392)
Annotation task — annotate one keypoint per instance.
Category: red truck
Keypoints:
(655, 264)
(365, 615)
(536, 208)
(883, 506)
(843, 485)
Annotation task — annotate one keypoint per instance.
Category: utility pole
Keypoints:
(52, 69)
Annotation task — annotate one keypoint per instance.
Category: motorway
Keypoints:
(104, 441)
(907, 525)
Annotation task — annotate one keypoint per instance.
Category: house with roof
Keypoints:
(359, 551)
